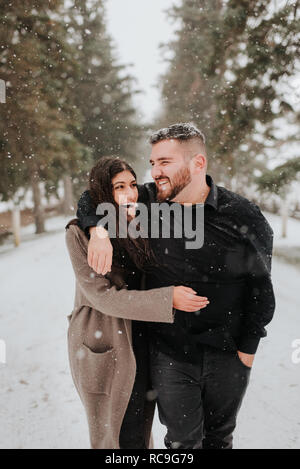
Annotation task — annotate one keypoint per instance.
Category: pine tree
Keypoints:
(277, 181)
(103, 91)
(38, 121)
(228, 60)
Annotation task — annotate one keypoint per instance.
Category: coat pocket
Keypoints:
(96, 370)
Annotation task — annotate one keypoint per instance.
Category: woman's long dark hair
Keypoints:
(101, 191)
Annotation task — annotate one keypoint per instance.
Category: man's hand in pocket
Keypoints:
(246, 358)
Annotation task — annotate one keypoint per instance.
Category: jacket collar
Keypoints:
(212, 198)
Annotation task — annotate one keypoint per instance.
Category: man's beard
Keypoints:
(180, 180)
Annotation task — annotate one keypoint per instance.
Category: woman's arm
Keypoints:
(98, 292)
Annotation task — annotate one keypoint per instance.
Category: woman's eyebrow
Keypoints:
(119, 182)
(123, 182)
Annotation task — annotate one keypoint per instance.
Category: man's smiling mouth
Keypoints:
(162, 183)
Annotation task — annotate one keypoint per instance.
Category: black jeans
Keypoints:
(199, 403)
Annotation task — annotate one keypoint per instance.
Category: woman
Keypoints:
(107, 351)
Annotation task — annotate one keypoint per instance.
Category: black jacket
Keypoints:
(233, 269)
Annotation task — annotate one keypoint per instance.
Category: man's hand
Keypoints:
(186, 299)
(246, 358)
(100, 251)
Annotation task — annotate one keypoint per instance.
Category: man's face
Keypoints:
(170, 169)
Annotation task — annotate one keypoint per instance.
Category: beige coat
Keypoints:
(101, 356)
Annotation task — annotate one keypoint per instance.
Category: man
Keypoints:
(200, 365)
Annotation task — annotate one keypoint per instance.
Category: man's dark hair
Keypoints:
(183, 131)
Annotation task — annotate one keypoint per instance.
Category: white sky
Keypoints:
(137, 28)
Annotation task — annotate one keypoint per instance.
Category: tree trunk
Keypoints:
(2, 92)
(284, 217)
(68, 202)
(39, 214)
(16, 224)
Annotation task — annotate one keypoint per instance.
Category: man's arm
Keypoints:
(86, 210)
(100, 253)
(86, 213)
(260, 299)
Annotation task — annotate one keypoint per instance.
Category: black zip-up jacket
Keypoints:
(232, 268)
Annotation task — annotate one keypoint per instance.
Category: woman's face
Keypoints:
(125, 190)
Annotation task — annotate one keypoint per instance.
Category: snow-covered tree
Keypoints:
(103, 88)
(277, 182)
(226, 66)
(68, 101)
(37, 122)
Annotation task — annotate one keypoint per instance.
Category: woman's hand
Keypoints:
(186, 299)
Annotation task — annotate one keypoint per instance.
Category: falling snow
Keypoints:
(35, 329)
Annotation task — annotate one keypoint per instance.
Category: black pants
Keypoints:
(199, 403)
(132, 430)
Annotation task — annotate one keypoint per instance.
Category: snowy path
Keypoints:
(39, 407)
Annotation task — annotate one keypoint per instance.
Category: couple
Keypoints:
(154, 321)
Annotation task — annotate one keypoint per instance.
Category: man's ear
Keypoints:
(199, 162)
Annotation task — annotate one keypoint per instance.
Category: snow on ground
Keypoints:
(293, 231)
(39, 407)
